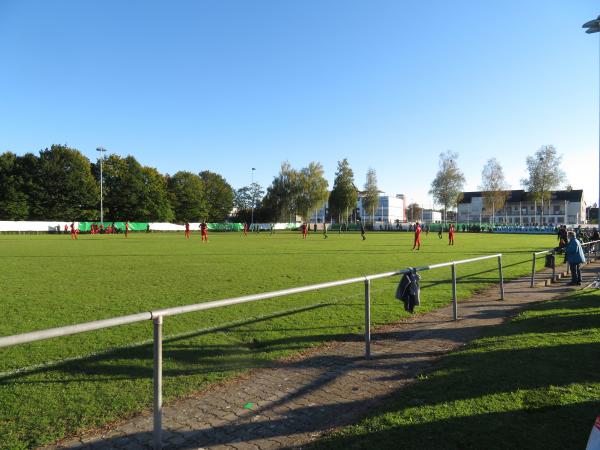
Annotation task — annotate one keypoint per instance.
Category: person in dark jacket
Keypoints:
(575, 257)
(562, 237)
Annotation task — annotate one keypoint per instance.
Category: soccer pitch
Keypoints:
(93, 378)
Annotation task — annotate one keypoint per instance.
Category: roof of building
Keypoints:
(519, 195)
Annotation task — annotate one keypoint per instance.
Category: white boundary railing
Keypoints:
(586, 246)
(157, 317)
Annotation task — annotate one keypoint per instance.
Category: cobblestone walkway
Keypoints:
(296, 401)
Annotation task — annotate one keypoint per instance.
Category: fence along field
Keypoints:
(51, 282)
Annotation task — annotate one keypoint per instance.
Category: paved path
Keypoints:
(297, 400)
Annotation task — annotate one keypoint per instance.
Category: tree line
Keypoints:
(61, 183)
(544, 176)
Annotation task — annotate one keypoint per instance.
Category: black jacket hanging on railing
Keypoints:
(408, 290)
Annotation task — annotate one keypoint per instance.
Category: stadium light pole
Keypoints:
(593, 26)
(252, 187)
(101, 150)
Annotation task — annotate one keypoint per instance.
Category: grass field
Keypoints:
(531, 383)
(86, 380)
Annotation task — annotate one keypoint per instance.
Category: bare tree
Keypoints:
(448, 183)
(545, 174)
(415, 212)
(493, 187)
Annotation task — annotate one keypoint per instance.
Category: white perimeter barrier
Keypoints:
(29, 226)
(54, 226)
(171, 227)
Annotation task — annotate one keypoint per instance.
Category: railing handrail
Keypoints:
(553, 252)
(6, 341)
(590, 242)
(157, 317)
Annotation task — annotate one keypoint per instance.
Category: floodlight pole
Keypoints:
(252, 187)
(101, 150)
(593, 26)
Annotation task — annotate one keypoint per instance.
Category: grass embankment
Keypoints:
(533, 382)
(50, 281)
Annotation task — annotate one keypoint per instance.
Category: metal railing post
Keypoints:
(553, 266)
(367, 318)
(533, 271)
(588, 256)
(501, 277)
(454, 301)
(158, 321)
(596, 251)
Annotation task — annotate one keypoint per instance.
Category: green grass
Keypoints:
(531, 383)
(50, 281)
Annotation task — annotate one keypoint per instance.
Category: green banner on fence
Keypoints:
(225, 226)
(133, 226)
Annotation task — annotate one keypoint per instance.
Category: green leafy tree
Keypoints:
(123, 188)
(245, 198)
(155, 199)
(344, 194)
(280, 200)
(370, 199)
(186, 192)
(133, 192)
(545, 174)
(448, 182)
(312, 189)
(218, 194)
(67, 188)
(14, 201)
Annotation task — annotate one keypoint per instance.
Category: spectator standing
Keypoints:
(575, 257)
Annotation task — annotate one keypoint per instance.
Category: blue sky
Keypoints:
(230, 85)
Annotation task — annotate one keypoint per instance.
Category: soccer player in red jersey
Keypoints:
(245, 228)
(73, 231)
(187, 230)
(304, 231)
(126, 228)
(451, 235)
(417, 243)
(204, 232)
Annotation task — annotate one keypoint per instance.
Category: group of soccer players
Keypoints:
(110, 229)
(203, 231)
(417, 242)
(96, 229)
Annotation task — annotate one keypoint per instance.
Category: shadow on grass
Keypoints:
(534, 374)
(467, 376)
(550, 427)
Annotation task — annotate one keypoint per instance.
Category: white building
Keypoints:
(520, 209)
(390, 208)
(431, 216)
